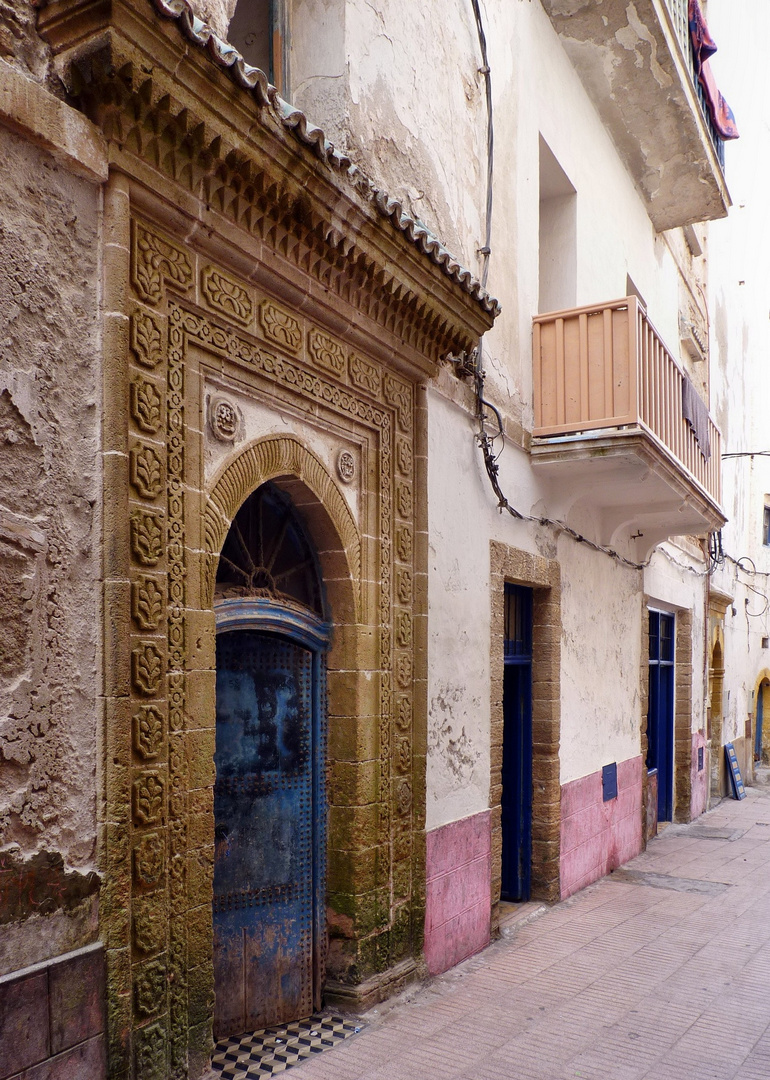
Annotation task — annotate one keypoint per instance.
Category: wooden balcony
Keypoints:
(609, 424)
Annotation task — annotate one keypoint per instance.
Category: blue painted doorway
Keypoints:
(269, 797)
(660, 709)
(516, 798)
(760, 712)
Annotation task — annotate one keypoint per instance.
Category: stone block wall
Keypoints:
(52, 1019)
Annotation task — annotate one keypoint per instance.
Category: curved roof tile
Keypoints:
(266, 95)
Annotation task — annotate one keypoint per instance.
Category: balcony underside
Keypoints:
(636, 72)
(626, 483)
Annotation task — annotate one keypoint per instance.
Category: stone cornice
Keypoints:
(160, 99)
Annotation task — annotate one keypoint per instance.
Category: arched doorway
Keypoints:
(762, 722)
(269, 799)
(716, 681)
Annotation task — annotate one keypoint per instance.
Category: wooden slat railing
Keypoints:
(606, 366)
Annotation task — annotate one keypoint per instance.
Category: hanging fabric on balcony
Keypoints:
(703, 46)
(696, 414)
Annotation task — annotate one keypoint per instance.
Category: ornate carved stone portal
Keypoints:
(255, 330)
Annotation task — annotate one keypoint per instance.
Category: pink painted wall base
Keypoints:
(598, 836)
(458, 899)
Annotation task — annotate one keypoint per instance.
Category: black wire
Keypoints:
(748, 453)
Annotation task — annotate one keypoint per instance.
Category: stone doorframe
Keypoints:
(239, 246)
(683, 746)
(157, 908)
(543, 576)
(761, 685)
(718, 604)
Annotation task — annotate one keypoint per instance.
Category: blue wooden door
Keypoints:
(516, 798)
(268, 833)
(759, 722)
(660, 709)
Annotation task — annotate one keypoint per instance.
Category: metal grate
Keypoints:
(518, 624)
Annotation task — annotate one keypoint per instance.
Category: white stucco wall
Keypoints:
(739, 275)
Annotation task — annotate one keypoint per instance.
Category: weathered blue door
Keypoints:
(516, 799)
(759, 721)
(660, 710)
(268, 832)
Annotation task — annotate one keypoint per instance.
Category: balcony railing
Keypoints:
(678, 9)
(605, 368)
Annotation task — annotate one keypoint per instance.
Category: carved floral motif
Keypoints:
(147, 536)
(364, 374)
(150, 988)
(146, 668)
(404, 670)
(157, 262)
(404, 586)
(150, 1058)
(404, 712)
(146, 602)
(404, 629)
(326, 352)
(280, 326)
(147, 471)
(148, 731)
(146, 405)
(149, 859)
(146, 338)
(404, 499)
(148, 799)
(404, 456)
(404, 543)
(404, 796)
(227, 295)
(399, 394)
(404, 753)
(149, 926)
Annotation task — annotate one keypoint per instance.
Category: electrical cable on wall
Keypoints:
(472, 365)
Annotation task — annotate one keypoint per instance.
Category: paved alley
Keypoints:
(661, 971)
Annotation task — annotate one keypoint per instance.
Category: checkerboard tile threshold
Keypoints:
(265, 1053)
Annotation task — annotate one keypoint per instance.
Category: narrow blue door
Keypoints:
(760, 717)
(660, 709)
(516, 799)
(267, 825)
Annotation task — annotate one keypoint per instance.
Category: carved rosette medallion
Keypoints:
(224, 419)
(346, 467)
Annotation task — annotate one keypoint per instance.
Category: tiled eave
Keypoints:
(156, 55)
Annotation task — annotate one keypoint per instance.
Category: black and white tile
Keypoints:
(265, 1053)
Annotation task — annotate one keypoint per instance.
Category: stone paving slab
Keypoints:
(658, 972)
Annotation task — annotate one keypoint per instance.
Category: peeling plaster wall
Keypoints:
(601, 642)
(49, 535)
